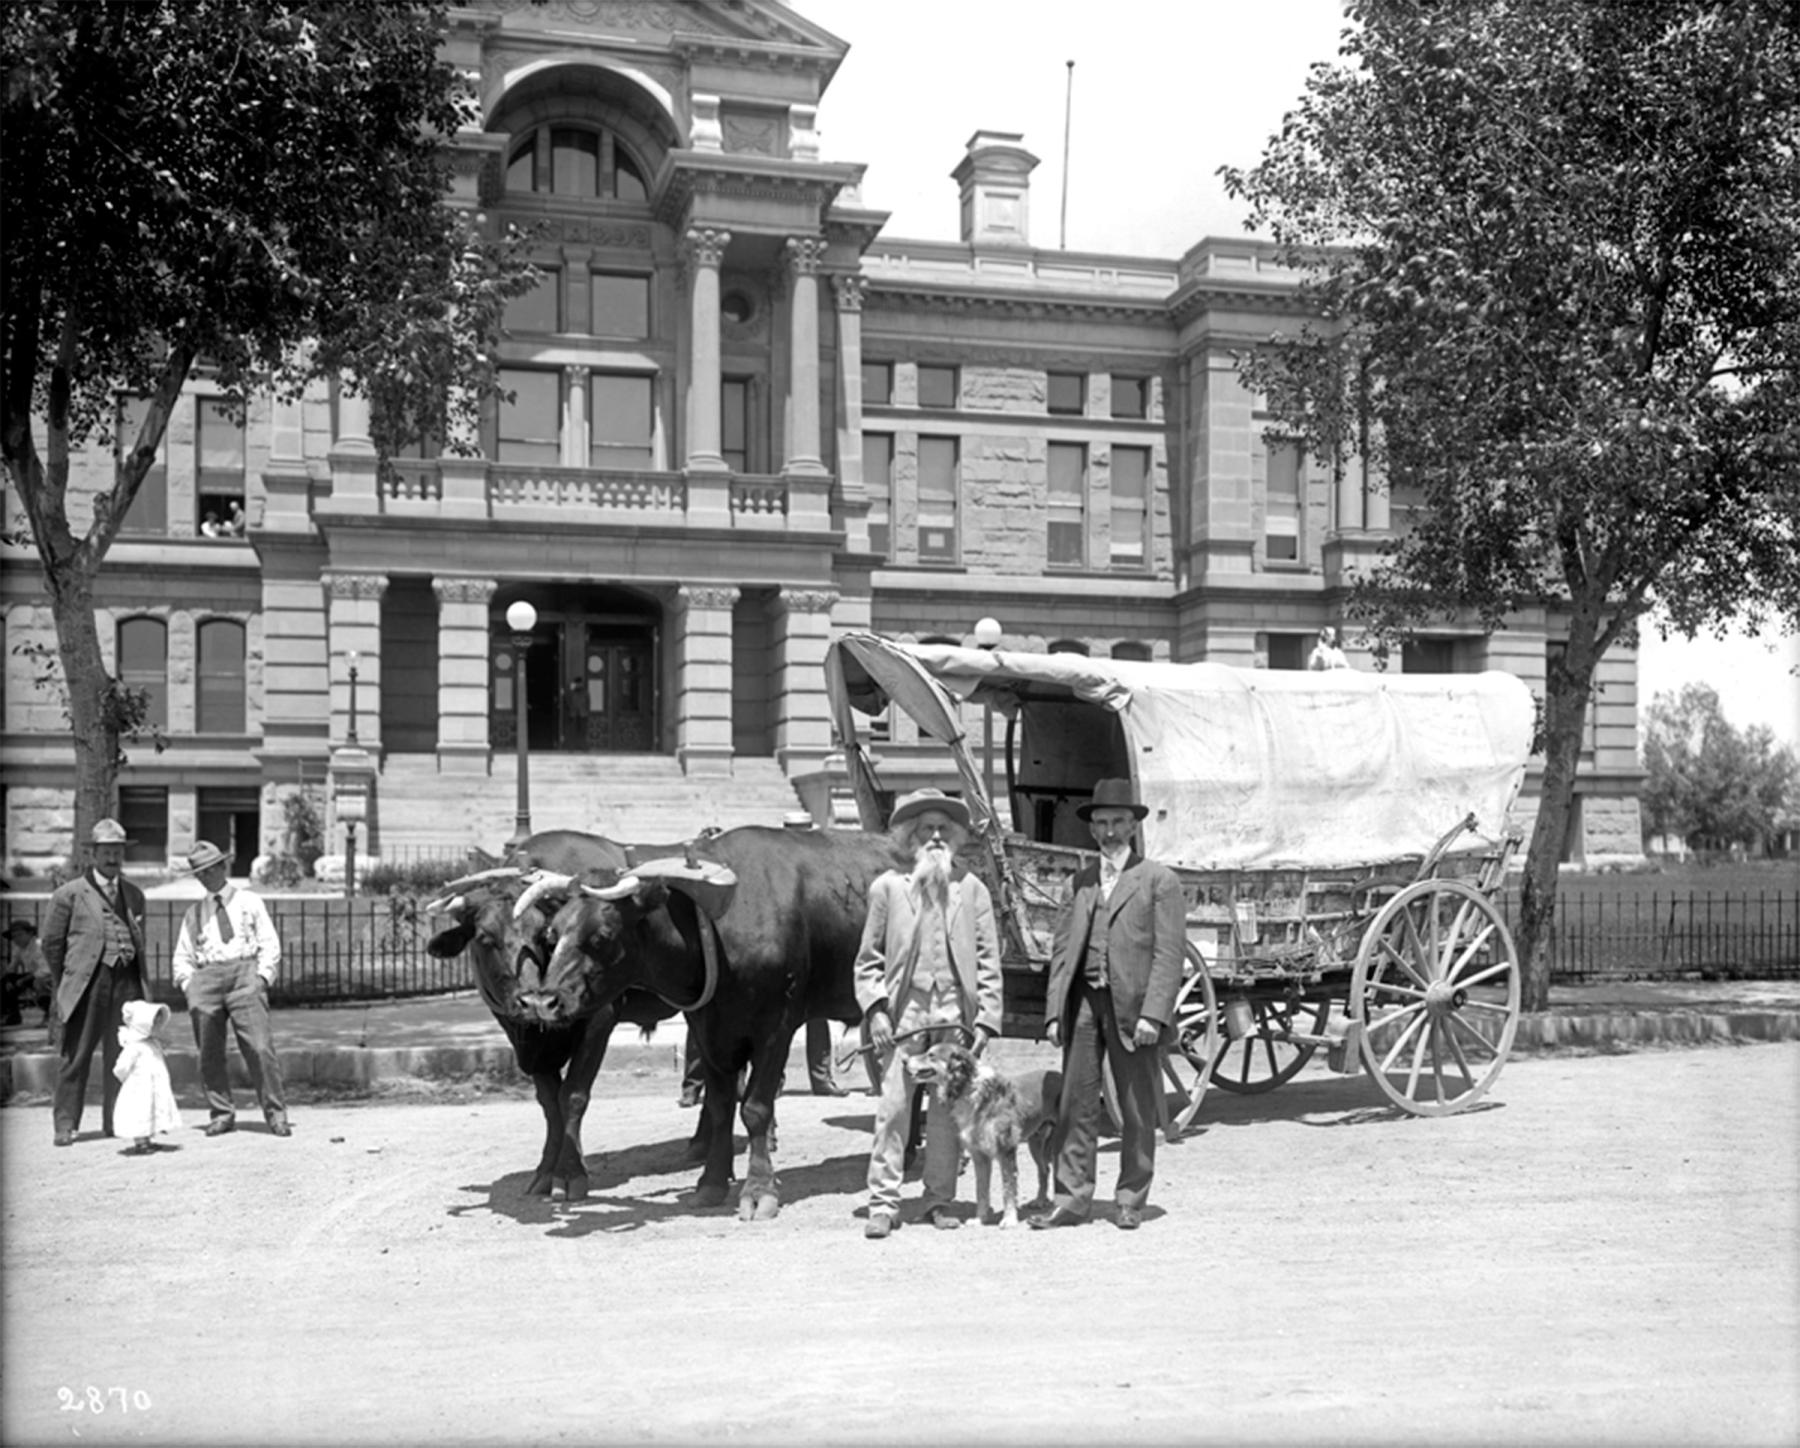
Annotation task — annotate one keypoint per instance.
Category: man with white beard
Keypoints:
(930, 958)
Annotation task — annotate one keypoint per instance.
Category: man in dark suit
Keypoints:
(1114, 971)
(94, 944)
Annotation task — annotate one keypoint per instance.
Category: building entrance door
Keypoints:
(609, 704)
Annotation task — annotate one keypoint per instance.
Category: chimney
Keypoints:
(995, 178)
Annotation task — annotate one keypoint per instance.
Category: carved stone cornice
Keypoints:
(464, 590)
(354, 585)
(635, 235)
(707, 595)
(736, 176)
(1194, 299)
(913, 298)
(803, 254)
(849, 292)
(808, 600)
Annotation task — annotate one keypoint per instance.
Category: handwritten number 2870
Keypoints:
(97, 1400)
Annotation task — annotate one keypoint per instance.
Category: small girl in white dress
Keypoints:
(146, 1104)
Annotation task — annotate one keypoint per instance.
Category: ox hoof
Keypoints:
(708, 1195)
(768, 1207)
(575, 1189)
(539, 1185)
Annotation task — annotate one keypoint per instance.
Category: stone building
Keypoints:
(743, 418)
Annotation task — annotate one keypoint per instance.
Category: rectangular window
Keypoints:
(1282, 521)
(619, 306)
(144, 812)
(149, 511)
(1130, 396)
(220, 693)
(937, 386)
(1130, 506)
(1068, 505)
(878, 383)
(535, 310)
(937, 500)
(878, 481)
(1428, 656)
(734, 423)
(574, 162)
(222, 468)
(620, 421)
(530, 428)
(1067, 393)
(1289, 651)
(142, 661)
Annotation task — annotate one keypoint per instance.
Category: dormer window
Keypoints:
(576, 161)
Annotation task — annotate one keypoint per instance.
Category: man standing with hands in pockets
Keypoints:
(1114, 971)
(225, 960)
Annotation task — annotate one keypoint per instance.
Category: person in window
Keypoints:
(225, 960)
(1326, 653)
(94, 942)
(235, 522)
(210, 527)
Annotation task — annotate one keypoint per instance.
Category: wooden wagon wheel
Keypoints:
(1192, 1053)
(1270, 1055)
(1436, 996)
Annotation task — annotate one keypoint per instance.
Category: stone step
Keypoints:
(625, 797)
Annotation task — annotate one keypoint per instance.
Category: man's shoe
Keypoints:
(280, 1128)
(1057, 1217)
(941, 1218)
(1129, 1219)
(65, 1138)
(828, 1088)
(879, 1225)
(219, 1125)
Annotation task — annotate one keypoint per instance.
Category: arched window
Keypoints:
(221, 680)
(143, 663)
(1067, 646)
(1131, 649)
(585, 161)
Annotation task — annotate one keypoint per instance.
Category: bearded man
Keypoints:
(929, 963)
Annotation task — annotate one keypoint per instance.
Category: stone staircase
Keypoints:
(424, 813)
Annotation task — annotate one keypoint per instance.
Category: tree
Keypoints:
(1707, 782)
(1555, 245)
(259, 183)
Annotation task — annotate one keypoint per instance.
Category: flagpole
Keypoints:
(1068, 105)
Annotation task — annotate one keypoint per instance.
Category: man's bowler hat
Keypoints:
(1113, 794)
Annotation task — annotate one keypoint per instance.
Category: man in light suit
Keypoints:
(1115, 969)
(94, 945)
(930, 957)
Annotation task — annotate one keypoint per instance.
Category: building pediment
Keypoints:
(742, 31)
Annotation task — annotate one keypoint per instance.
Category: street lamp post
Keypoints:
(349, 815)
(521, 617)
(987, 636)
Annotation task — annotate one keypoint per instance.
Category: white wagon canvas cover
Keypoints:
(1242, 769)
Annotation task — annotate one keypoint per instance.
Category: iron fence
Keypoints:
(374, 947)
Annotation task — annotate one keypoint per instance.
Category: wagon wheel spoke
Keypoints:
(1483, 976)
(1418, 1056)
(1457, 1023)
(1399, 1044)
(1394, 957)
(1462, 1061)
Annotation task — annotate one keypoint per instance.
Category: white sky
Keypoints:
(1165, 92)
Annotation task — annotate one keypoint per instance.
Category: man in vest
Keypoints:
(930, 958)
(94, 945)
(225, 960)
(1115, 968)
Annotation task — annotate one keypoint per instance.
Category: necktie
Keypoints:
(226, 934)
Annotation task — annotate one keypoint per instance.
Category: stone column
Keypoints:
(803, 713)
(1350, 495)
(461, 466)
(709, 483)
(852, 501)
(352, 458)
(287, 486)
(354, 623)
(803, 255)
(463, 651)
(575, 418)
(703, 678)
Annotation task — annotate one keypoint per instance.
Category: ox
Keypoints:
(755, 931)
(507, 951)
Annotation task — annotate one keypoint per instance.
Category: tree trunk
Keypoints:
(91, 720)
(1568, 682)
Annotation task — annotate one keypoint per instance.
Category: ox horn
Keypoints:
(466, 880)
(626, 885)
(543, 882)
(450, 904)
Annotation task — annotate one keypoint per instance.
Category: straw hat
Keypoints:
(204, 856)
(1113, 794)
(108, 832)
(910, 806)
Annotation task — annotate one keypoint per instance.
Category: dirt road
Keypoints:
(1609, 1251)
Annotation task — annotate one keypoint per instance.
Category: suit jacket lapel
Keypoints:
(1127, 885)
(117, 905)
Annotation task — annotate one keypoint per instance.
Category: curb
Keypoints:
(1629, 1030)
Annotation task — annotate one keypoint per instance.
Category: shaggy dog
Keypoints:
(993, 1115)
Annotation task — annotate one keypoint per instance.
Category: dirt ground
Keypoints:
(1608, 1250)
